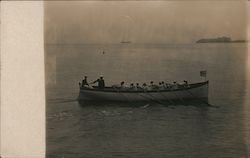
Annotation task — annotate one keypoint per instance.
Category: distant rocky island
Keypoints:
(220, 40)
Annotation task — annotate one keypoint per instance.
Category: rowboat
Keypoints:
(192, 91)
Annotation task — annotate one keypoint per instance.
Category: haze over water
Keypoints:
(111, 130)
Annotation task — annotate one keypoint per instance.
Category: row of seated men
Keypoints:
(160, 86)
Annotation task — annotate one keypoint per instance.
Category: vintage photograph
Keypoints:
(144, 79)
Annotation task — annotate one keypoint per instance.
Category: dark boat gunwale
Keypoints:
(111, 89)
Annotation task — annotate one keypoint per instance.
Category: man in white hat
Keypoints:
(101, 82)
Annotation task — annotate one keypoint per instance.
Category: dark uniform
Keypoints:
(101, 83)
(84, 82)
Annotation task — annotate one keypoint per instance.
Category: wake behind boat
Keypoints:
(191, 91)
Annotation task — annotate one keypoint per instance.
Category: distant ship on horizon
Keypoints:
(126, 42)
(220, 40)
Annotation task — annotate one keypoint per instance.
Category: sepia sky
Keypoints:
(162, 22)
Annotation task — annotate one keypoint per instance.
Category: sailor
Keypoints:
(185, 83)
(152, 86)
(122, 86)
(174, 86)
(100, 81)
(138, 87)
(169, 85)
(161, 86)
(132, 87)
(118, 85)
(84, 81)
(144, 87)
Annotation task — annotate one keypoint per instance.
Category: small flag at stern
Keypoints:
(203, 73)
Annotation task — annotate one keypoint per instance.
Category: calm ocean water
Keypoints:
(128, 131)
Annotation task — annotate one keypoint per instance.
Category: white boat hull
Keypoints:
(195, 91)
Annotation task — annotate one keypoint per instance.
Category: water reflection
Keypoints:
(190, 102)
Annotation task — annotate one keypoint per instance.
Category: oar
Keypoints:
(201, 99)
(169, 100)
(154, 100)
(118, 91)
(179, 98)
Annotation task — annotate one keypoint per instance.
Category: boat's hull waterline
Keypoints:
(192, 92)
